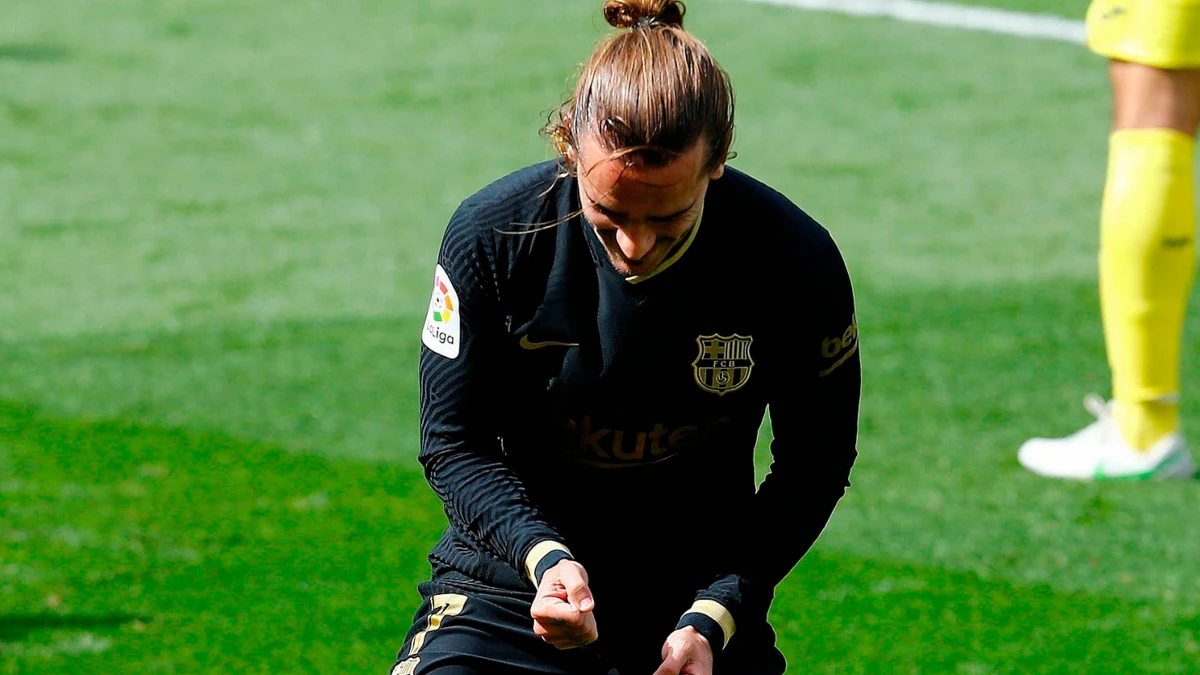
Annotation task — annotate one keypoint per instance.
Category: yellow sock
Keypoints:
(1147, 263)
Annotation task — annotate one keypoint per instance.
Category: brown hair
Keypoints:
(649, 92)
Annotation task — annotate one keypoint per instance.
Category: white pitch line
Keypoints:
(1002, 21)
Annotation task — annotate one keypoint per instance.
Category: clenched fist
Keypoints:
(562, 608)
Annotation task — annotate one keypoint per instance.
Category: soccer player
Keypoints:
(1147, 245)
(605, 335)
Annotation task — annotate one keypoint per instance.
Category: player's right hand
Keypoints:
(562, 608)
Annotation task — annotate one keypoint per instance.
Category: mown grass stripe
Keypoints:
(1005, 22)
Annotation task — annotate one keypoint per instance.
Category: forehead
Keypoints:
(598, 168)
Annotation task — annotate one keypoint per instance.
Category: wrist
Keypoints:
(543, 556)
(691, 630)
(711, 620)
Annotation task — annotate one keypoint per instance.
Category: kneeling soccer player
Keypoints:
(605, 335)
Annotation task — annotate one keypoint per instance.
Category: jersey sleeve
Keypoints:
(814, 404)
(460, 449)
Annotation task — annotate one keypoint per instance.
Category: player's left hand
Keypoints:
(686, 652)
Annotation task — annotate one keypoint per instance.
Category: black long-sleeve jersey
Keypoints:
(564, 406)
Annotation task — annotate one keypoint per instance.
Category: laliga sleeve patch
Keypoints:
(442, 332)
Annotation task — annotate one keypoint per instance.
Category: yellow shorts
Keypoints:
(1160, 33)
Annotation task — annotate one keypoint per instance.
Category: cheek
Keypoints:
(683, 227)
(605, 230)
(677, 230)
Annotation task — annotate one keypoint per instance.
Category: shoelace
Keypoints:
(1102, 411)
(1099, 408)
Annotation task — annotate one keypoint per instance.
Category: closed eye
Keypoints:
(620, 217)
(667, 219)
(608, 212)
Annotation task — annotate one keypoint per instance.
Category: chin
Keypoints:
(625, 269)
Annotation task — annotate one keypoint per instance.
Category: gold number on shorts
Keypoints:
(444, 605)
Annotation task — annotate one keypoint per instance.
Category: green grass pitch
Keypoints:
(217, 225)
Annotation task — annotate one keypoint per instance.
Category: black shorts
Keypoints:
(464, 629)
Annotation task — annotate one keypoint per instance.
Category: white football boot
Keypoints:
(1097, 452)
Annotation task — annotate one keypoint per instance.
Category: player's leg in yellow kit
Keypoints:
(1148, 250)
(1148, 244)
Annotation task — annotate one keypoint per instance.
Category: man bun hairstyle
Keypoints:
(644, 13)
(649, 92)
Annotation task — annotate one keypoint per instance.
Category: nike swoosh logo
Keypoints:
(1101, 473)
(1112, 13)
(526, 343)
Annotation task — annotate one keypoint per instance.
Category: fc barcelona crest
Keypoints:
(723, 364)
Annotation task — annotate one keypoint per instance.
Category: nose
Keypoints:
(636, 241)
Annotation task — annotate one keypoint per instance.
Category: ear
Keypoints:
(718, 172)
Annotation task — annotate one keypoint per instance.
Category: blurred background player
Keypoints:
(1147, 245)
